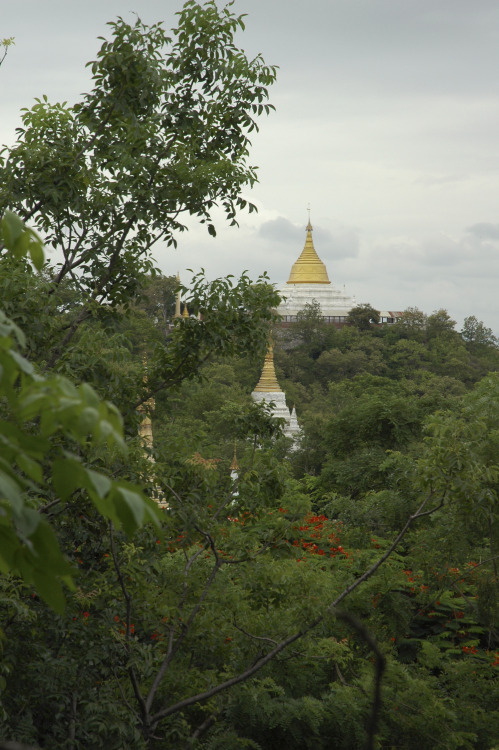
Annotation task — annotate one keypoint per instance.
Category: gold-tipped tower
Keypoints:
(268, 380)
(309, 268)
(269, 391)
(145, 409)
(177, 299)
(234, 467)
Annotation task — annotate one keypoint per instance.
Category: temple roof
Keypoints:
(309, 268)
(268, 381)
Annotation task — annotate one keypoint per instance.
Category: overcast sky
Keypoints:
(387, 124)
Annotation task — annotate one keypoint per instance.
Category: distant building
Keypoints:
(309, 282)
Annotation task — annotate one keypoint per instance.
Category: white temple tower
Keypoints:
(268, 390)
(309, 281)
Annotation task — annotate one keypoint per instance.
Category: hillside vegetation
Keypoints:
(340, 593)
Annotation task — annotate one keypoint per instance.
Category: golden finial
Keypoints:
(234, 465)
(185, 314)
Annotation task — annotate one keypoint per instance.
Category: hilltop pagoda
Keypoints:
(309, 282)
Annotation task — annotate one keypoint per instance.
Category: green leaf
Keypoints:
(31, 468)
(47, 550)
(12, 228)
(27, 522)
(131, 510)
(50, 590)
(10, 490)
(99, 482)
(105, 506)
(67, 476)
(23, 363)
(9, 328)
(87, 420)
(89, 395)
(37, 255)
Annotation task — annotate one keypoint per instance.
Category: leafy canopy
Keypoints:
(164, 133)
(36, 411)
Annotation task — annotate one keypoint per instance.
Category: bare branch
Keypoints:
(380, 668)
(342, 679)
(201, 729)
(200, 697)
(48, 506)
(255, 637)
(128, 600)
(123, 696)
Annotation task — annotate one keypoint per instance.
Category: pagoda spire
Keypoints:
(177, 298)
(309, 268)
(234, 465)
(268, 380)
(145, 409)
(269, 391)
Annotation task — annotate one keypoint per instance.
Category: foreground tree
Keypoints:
(163, 134)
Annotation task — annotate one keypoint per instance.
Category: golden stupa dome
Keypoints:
(268, 381)
(309, 268)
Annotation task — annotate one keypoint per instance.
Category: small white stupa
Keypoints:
(268, 390)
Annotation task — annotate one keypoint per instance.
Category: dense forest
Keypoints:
(224, 587)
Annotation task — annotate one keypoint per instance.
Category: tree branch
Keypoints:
(128, 600)
(255, 637)
(171, 652)
(279, 647)
(380, 668)
(370, 571)
(201, 729)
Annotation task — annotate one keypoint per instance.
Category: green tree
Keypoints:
(164, 133)
(34, 462)
(476, 333)
(363, 317)
(411, 324)
(157, 299)
(440, 324)
(310, 329)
